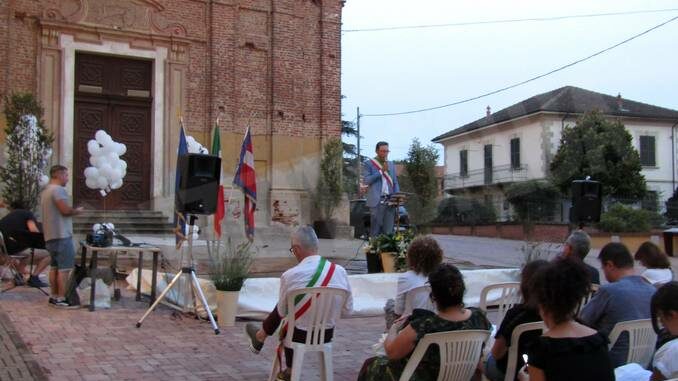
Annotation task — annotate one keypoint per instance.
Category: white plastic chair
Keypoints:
(459, 354)
(587, 298)
(642, 339)
(323, 299)
(513, 349)
(413, 294)
(509, 295)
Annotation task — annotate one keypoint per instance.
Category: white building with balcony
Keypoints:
(518, 143)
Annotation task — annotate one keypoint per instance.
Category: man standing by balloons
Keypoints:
(57, 226)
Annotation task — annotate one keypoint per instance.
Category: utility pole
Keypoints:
(359, 163)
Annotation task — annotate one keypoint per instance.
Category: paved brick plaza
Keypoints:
(105, 345)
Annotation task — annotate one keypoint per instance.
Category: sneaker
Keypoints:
(34, 281)
(284, 375)
(61, 304)
(251, 336)
(19, 280)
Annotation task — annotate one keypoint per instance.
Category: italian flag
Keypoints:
(219, 213)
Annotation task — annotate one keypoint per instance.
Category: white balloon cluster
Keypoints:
(100, 226)
(107, 169)
(195, 147)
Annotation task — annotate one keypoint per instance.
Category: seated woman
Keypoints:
(567, 350)
(658, 268)
(423, 255)
(665, 308)
(526, 312)
(447, 292)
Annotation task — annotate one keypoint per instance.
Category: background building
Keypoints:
(519, 142)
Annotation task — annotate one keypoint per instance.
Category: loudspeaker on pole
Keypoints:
(586, 201)
(198, 183)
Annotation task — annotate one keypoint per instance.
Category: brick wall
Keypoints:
(275, 63)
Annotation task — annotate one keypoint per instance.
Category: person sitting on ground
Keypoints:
(20, 219)
(665, 309)
(447, 292)
(525, 312)
(578, 245)
(567, 350)
(657, 264)
(626, 297)
(423, 255)
(312, 271)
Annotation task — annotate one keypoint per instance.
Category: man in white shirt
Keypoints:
(312, 271)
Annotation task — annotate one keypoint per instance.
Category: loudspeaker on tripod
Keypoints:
(586, 201)
(198, 183)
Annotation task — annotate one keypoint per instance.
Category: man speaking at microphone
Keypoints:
(381, 180)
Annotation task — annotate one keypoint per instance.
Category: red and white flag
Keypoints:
(247, 181)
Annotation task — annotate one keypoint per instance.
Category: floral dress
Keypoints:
(380, 368)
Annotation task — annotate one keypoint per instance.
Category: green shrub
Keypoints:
(464, 211)
(533, 200)
(620, 218)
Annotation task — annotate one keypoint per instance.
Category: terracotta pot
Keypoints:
(388, 262)
(227, 307)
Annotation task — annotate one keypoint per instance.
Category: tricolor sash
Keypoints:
(302, 302)
(384, 174)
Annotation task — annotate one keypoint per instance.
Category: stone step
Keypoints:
(127, 222)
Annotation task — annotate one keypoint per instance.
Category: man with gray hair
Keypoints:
(311, 271)
(577, 245)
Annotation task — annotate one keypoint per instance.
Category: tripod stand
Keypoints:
(195, 285)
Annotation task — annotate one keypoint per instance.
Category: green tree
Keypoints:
(602, 149)
(350, 161)
(330, 189)
(419, 178)
(27, 149)
(533, 200)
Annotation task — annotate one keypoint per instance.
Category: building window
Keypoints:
(487, 151)
(515, 153)
(647, 151)
(463, 163)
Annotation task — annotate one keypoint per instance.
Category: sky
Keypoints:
(402, 70)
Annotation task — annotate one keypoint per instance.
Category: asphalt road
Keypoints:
(481, 252)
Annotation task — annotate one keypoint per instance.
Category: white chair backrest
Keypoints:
(642, 340)
(414, 295)
(587, 298)
(513, 354)
(319, 313)
(459, 354)
(505, 294)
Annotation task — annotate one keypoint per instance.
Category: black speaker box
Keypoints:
(198, 183)
(586, 201)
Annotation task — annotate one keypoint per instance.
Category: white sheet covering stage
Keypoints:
(370, 291)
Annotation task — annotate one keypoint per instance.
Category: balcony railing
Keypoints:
(477, 177)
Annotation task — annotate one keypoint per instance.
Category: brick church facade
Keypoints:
(134, 67)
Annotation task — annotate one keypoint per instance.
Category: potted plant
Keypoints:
(392, 249)
(229, 267)
(329, 189)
